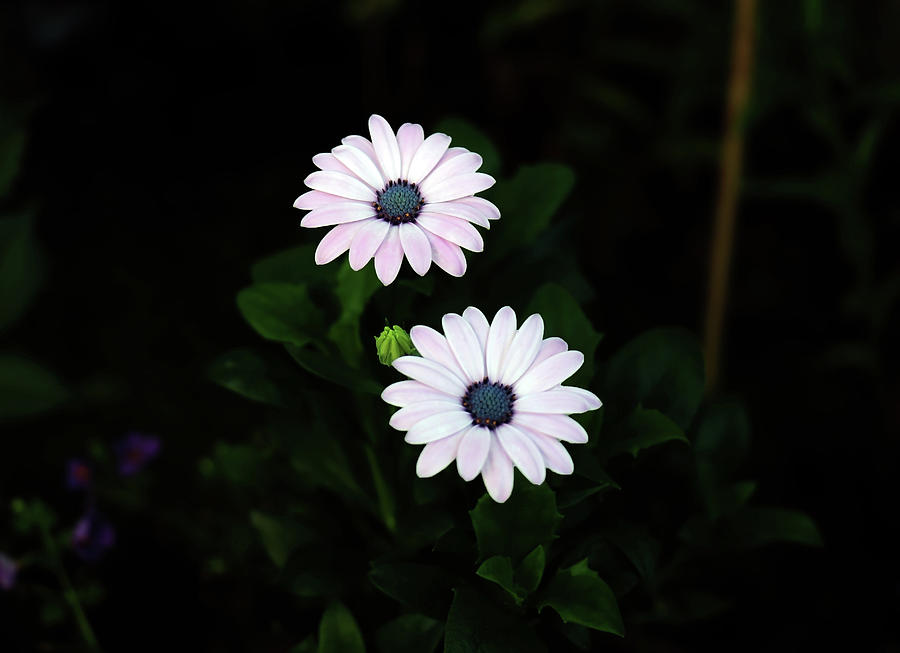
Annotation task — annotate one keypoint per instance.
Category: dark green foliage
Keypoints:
(579, 595)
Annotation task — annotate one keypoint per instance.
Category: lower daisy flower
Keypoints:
(490, 396)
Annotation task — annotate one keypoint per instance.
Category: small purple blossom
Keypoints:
(79, 474)
(134, 451)
(92, 536)
(8, 570)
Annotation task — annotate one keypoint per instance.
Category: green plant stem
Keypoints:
(385, 500)
(71, 596)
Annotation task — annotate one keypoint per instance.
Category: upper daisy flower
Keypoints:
(398, 194)
(490, 397)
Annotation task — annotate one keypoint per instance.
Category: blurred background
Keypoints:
(150, 153)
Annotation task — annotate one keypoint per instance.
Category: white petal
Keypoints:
(359, 163)
(427, 156)
(386, 148)
(453, 229)
(405, 418)
(552, 402)
(523, 452)
(404, 393)
(437, 455)
(446, 255)
(523, 349)
(314, 199)
(361, 143)
(330, 162)
(501, 334)
(459, 210)
(473, 452)
(409, 138)
(488, 209)
(550, 347)
(416, 247)
(434, 345)
(464, 164)
(555, 456)
(337, 183)
(431, 374)
(366, 242)
(497, 473)
(479, 324)
(338, 213)
(593, 401)
(550, 372)
(465, 346)
(456, 187)
(561, 427)
(337, 241)
(438, 426)
(389, 257)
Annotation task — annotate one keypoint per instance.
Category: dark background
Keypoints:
(166, 143)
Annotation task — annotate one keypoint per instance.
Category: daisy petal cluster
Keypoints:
(398, 195)
(490, 397)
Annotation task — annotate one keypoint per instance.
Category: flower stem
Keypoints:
(729, 182)
(385, 500)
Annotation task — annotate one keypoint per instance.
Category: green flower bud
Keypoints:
(392, 344)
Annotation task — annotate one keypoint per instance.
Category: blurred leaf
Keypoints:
(759, 526)
(20, 267)
(580, 596)
(660, 369)
(319, 457)
(425, 588)
(338, 631)
(641, 550)
(333, 369)
(281, 311)
(26, 388)
(29, 516)
(644, 429)
(475, 625)
(12, 144)
(308, 645)
(409, 632)
(295, 265)
(243, 371)
(240, 464)
(353, 290)
(519, 16)
(587, 465)
(467, 135)
(563, 318)
(731, 498)
(527, 519)
(720, 443)
(278, 538)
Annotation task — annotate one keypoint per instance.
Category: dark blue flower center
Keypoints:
(490, 404)
(400, 201)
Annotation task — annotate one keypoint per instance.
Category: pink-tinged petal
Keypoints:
(456, 187)
(359, 163)
(427, 156)
(446, 255)
(432, 374)
(473, 452)
(486, 208)
(550, 372)
(405, 393)
(552, 402)
(523, 349)
(465, 346)
(523, 452)
(337, 241)
(459, 210)
(591, 400)
(455, 230)
(329, 162)
(314, 199)
(464, 164)
(438, 426)
(416, 246)
(409, 137)
(405, 418)
(433, 345)
(479, 324)
(437, 455)
(338, 213)
(451, 153)
(361, 143)
(389, 257)
(497, 473)
(337, 183)
(561, 427)
(386, 148)
(503, 330)
(550, 347)
(555, 456)
(366, 242)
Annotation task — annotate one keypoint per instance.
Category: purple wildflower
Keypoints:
(92, 536)
(134, 451)
(8, 570)
(79, 474)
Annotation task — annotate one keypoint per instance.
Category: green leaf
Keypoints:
(580, 596)
(281, 311)
(308, 645)
(338, 631)
(29, 516)
(564, 319)
(531, 569)
(721, 440)
(475, 625)
(26, 388)
(425, 588)
(243, 371)
(660, 369)
(527, 519)
(294, 265)
(320, 459)
(240, 464)
(467, 135)
(409, 632)
(352, 290)
(20, 267)
(499, 569)
(760, 526)
(647, 428)
(279, 537)
(731, 498)
(641, 550)
(333, 369)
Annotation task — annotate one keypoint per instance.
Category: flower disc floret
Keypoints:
(489, 404)
(399, 202)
